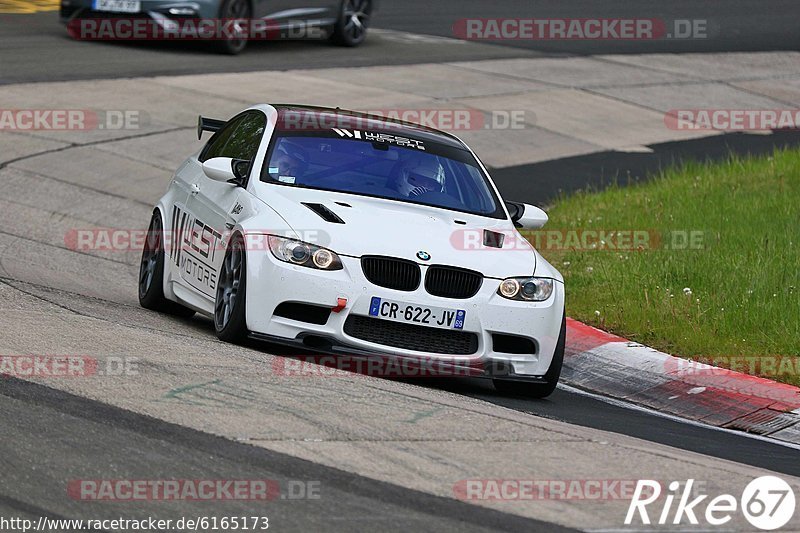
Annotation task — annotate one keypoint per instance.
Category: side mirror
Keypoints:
(219, 169)
(526, 216)
(227, 169)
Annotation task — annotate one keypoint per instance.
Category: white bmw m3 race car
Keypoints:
(355, 235)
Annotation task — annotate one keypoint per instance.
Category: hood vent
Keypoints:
(325, 214)
(493, 239)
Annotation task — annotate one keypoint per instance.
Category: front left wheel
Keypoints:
(230, 320)
(551, 377)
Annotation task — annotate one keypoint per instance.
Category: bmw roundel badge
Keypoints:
(424, 256)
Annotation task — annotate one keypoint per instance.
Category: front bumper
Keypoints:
(461, 368)
(271, 282)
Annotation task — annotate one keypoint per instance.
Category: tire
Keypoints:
(538, 390)
(234, 9)
(230, 320)
(351, 27)
(151, 273)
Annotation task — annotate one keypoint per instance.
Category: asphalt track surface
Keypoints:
(599, 170)
(72, 434)
(733, 25)
(36, 47)
(83, 435)
(50, 436)
(568, 405)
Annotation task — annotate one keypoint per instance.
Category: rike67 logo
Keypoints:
(767, 502)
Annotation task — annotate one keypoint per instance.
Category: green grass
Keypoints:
(744, 280)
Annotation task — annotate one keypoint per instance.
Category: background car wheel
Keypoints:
(539, 390)
(151, 273)
(239, 10)
(229, 306)
(351, 28)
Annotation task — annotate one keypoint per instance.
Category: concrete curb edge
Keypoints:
(612, 366)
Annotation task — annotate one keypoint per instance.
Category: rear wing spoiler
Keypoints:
(208, 124)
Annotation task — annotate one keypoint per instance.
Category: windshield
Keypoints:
(385, 166)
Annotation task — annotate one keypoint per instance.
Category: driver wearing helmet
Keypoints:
(418, 176)
(290, 159)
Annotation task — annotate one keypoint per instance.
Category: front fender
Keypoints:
(545, 270)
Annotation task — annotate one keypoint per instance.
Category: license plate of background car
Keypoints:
(117, 6)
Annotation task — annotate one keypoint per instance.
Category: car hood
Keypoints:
(376, 226)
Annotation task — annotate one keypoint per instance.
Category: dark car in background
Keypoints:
(345, 22)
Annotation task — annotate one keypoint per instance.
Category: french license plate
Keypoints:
(117, 6)
(423, 315)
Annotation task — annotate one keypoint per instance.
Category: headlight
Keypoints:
(526, 289)
(303, 254)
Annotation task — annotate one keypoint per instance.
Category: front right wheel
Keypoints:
(539, 390)
(351, 27)
(240, 13)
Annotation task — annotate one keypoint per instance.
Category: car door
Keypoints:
(214, 206)
(194, 268)
(284, 11)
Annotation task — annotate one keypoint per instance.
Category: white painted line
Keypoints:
(634, 407)
(416, 38)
